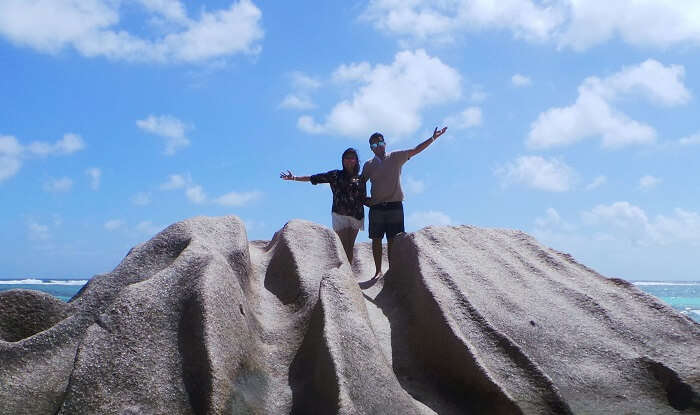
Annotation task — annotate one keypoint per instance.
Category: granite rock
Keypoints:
(467, 320)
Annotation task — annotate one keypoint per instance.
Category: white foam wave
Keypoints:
(691, 284)
(35, 281)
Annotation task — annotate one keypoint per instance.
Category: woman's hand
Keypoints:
(286, 176)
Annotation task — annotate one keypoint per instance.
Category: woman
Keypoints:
(349, 193)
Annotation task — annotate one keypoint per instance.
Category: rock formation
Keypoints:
(199, 320)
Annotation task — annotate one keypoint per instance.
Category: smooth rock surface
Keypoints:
(199, 320)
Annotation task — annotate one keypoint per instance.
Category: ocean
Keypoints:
(62, 289)
(683, 296)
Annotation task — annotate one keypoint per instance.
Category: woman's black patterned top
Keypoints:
(348, 192)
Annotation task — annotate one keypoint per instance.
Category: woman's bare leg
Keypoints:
(344, 236)
(350, 249)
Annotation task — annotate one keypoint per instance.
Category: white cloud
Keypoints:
(147, 227)
(692, 139)
(114, 224)
(176, 181)
(593, 115)
(170, 9)
(597, 182)
(297, 102)
(470, 117)
(307, 124)
(9, 166)
(418, 220)
(95, 175)
(91, 27)
(237, 199)
(196, 194)
(141, 199)
(218, 34)
(253, 224)
(661, 85)
(38, 231)
(538, 173)
(552, 219)
(682, 225)
(568, 23)
(390, 98)
(442, 21)
(618, 213)
(70, 143)
(622, 219)
(520, 80)
(478, 94)
(168, 127)
(648, 182)
(352, 72)
(301, 81)
(9, 146)
(12, 152)
(632, 222)
(57, 220)
(412, 186)
(642, 23)
(63, 184)
(300, 99)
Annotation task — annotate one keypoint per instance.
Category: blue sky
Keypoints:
(576, 122)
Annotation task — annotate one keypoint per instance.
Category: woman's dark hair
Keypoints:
(351, 152)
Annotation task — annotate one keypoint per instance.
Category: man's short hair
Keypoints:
(376, 136)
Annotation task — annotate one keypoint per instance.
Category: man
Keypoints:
(386, 197)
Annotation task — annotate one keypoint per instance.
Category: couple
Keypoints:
(350, 194)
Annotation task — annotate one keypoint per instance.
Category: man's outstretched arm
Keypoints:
(422, 146)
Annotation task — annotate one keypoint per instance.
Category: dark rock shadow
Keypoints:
(312, 374)
(281, 276)
(680, 395)
(196, 370)
(429, 362)
(24, 313)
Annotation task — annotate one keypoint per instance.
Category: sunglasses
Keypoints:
(377, 144)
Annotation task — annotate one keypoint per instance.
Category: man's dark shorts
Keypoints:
(385, 218)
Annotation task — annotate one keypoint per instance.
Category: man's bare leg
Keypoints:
(377, 254)
(389, 242)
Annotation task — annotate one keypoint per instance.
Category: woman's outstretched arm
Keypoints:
(289, 176)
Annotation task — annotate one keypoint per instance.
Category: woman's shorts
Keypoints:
(341, 222)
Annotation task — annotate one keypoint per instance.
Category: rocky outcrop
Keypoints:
(199, 320)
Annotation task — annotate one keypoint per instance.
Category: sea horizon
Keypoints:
(76, 279)
(683, 296)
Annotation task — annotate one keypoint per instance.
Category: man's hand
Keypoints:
(287, 176)
(437, 133)
(422, 146)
